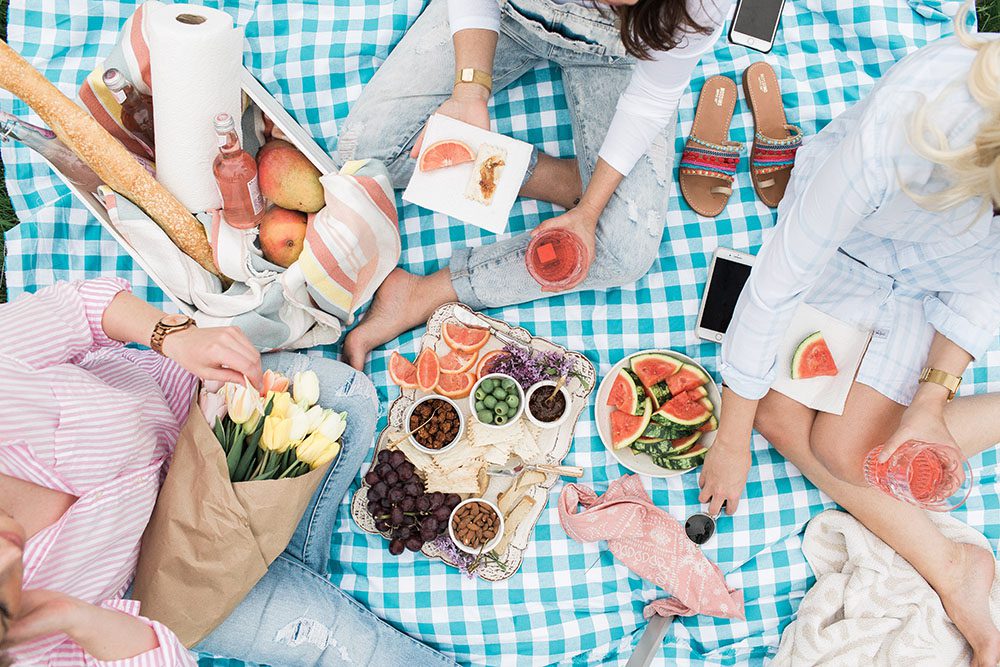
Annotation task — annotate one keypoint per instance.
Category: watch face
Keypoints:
(174, 320)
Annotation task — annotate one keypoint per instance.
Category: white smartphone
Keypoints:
(727, 275)
(756, 23)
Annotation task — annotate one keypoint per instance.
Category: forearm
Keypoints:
(736, 419)
(129, 319)
(946, 356)
(474, 48)
(112, 635)
(603, 183)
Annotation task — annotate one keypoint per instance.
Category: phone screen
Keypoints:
(758, 18)
(728, 280)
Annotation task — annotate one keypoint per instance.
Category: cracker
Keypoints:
(486, 173)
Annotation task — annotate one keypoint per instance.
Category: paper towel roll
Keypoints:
(196, 65)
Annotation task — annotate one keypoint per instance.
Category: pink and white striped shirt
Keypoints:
(84, 415)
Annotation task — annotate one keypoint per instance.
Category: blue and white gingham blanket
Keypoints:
(315, 57)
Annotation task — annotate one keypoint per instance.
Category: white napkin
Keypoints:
(847, 345)
(443, 190)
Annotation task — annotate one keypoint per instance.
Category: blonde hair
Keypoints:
(974, 170)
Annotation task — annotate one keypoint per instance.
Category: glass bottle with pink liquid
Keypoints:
(933, 476)
(236, 175)
(137, 109)
(555, 258)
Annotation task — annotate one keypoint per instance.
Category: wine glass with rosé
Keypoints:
(933, 476)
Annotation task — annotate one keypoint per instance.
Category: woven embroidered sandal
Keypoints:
(709, 161)
(775, 141)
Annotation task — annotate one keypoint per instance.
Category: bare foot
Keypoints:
(404, 301)
(966, 598)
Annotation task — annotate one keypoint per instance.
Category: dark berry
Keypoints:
(382, 525)
(380, 489)
(406, 465)
(441, 514)
(423, 504)
(383, 456)
(429, 523)
(396, 494)
(408, 504)
(383, 469)
(397, 517)
(427, 535)
(391, 478)
(414, 544)
(396, 458)
(452, 500)
(437, 500)
(385, 503)
(413, 489)
(371, 478)
(404, 474)
(374, 506)
(397, 547)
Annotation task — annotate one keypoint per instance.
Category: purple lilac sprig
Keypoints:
(528, 366)
(454, 555)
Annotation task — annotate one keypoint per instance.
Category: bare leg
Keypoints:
(404, 301)
(555, 180)
(961, 574)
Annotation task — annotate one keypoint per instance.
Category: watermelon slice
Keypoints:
(654, 367)
(687, 378)
(682, 445)
(711, 425)
(627, 393)
(813, 359)
(692, 458)
(659, 392)
(697, 393)
(627, 428)
(682, 410)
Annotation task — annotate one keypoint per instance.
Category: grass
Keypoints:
(989, 21)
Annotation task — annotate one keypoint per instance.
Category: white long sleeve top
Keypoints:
(652, 96)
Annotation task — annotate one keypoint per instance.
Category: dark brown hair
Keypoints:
(5, 659)
(656, 25)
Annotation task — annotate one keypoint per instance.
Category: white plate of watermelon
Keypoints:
(657, 412)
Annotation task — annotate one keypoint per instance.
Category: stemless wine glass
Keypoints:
(933, 476)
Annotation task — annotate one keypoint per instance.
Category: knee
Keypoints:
(628, 270)
(773, 423)
(837, 455)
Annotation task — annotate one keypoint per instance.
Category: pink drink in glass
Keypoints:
(933, 476)
(555, 258)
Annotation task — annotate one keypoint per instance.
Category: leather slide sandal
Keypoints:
(709, 161)
(775, 141)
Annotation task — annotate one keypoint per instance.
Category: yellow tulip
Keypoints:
(281, 401)
(333, 425)
(242, 403)
(305, 388)
(317, 450)
(315, 416)
(276, 436)
(299, 419)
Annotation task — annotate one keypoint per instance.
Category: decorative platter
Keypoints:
(548, 446)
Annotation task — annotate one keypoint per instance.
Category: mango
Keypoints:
(282, 235)
(287, 178)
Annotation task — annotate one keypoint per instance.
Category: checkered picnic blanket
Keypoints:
(570, 603)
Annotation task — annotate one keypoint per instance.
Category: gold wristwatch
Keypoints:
(472, 75)
(946, 380)
(168, 324)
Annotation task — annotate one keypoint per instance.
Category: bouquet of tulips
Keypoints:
(276, 433)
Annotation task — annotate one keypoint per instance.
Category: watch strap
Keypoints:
(473, 75)
(161, 330)
(946, 380)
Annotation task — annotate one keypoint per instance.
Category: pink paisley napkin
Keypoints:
(653, 545)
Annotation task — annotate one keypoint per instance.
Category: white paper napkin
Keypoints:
(443, 190)
(847, 345)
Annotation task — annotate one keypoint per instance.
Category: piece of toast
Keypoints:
(486, 173)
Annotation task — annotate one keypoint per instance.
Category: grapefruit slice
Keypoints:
(456, 385)
(486, 360)
(428, 370)
(464, 339)
(813, 359)
(457, 362)
(402, 371)
(445, 153)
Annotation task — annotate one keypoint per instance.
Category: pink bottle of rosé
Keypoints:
(236, 175)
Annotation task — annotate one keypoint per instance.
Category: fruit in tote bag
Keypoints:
(627, 393)
(287, 177)
(445, 153)
(627, 428)
(428, 370)
(402, 371)
(464, 339)
(813, 359)
(282, 234)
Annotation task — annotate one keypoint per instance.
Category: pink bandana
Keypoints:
(653, 545)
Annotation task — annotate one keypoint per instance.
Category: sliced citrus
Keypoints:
(445, 153)
(456, 385)
(464, 339)
(483, 368)
(402, 371)
(457, 362)
(428, 370)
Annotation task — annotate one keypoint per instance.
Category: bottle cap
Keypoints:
(114, 79)
(224, 123)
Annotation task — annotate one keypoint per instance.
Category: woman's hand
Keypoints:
(44, 613)
(724, 475)
(217, 353)
(467, 104)
(921, 421)
(581, 221)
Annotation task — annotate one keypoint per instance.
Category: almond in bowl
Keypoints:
(476, 526)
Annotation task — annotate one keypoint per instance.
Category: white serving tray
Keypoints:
(282, 120)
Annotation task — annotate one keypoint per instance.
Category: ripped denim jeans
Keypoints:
(295, 616)
(585, 43)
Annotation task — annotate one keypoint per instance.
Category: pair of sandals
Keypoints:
(709, 162)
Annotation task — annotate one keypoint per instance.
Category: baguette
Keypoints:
(105, 156)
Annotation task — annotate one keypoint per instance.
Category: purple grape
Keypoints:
(396, 494)
(413, 489)
(405, 474)
(437, 500)
(383, 469)
(408, 504)
(441, 514)
(391, 478)
(371, 478)
(452, 500)
(380, 489)
(429, 523)
(383, 456)
(397, 517)
(423, 504)
(385, 503)
(396, 547)
(382, 525)
(406, 465)
(396, 458)
(414, 544)
(374, 506)
(428, 535)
